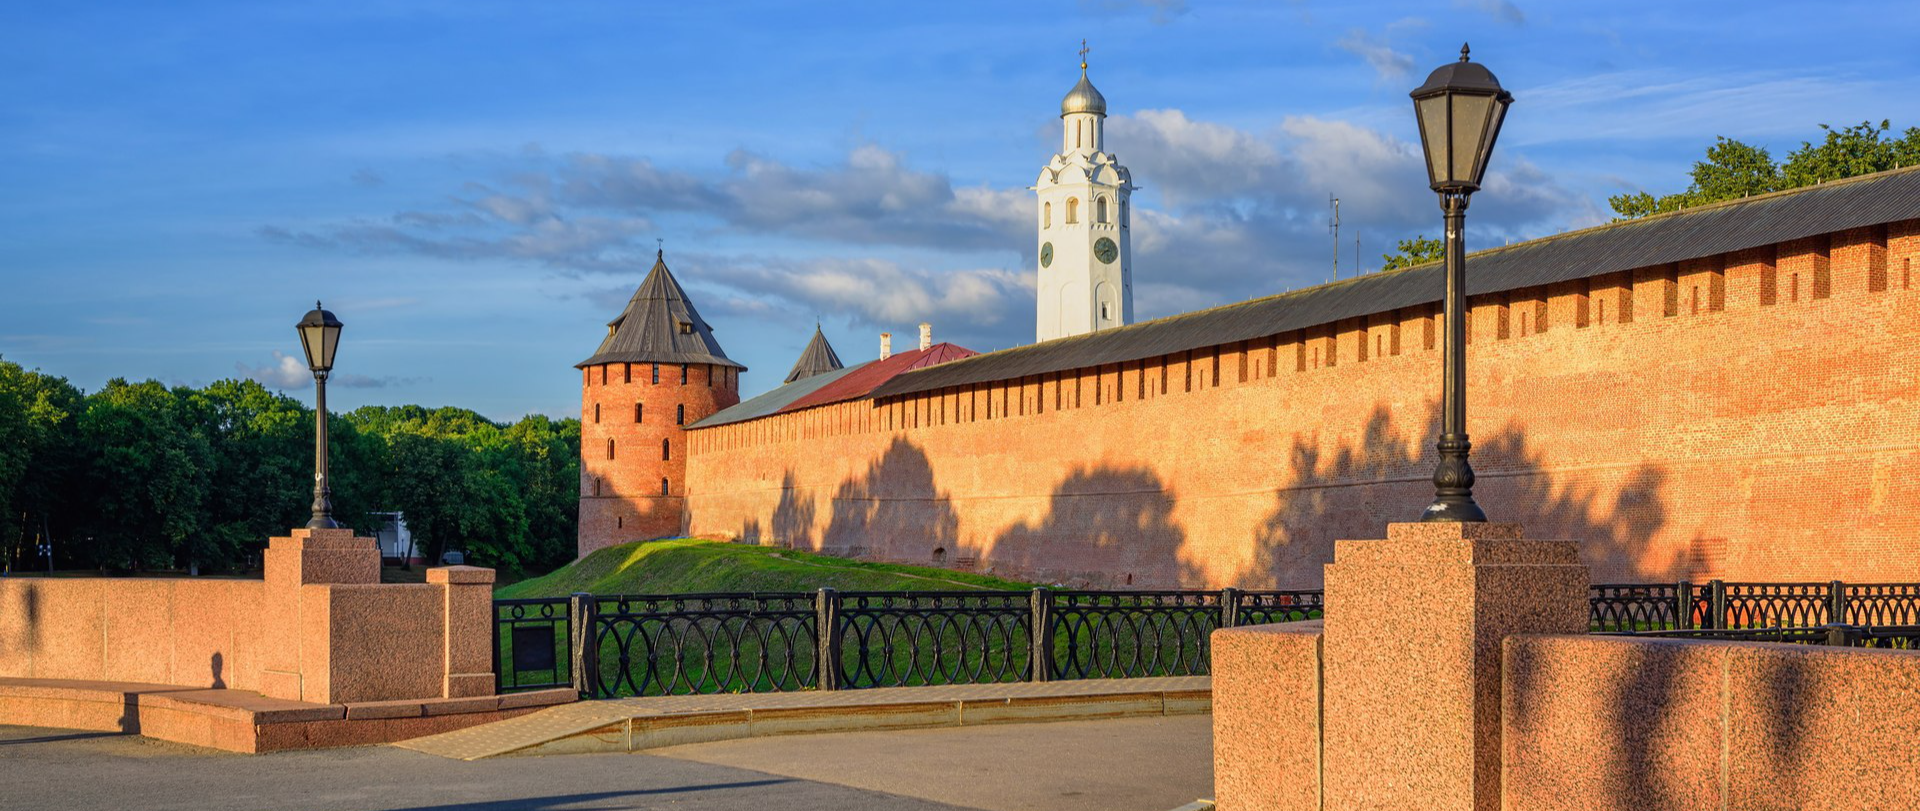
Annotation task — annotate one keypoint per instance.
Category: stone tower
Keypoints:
(1085, 249)
(658, 370)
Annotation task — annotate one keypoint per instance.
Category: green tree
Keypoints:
(262, 445)
(147, 479)
(1850, 152)
(39, 458)
(1417, 251)
(1732, 170)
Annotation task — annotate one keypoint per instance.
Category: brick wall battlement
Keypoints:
(1749, 415)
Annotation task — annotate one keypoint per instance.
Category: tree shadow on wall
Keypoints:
(1109, 527)
(895, 510)
(793, 517)
(1354, 491)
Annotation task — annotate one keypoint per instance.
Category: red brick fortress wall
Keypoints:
(621, 459)
(1745, 416)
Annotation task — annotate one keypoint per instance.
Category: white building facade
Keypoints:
(1085, 250)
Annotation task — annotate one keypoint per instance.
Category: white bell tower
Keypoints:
(1085, 249)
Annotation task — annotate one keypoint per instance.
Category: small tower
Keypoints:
(658, 370)
(1085, 245)
(818, 358)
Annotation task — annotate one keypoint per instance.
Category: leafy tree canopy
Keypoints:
(1417, 251)
(142, 476)
(1735, 169)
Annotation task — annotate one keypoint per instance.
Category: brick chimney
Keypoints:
(886, 345)
(926, 336)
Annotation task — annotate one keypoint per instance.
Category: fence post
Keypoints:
(1040, 662)
(1837, 602)
(1717, 591)
(1683, 605)
(1229, 607)
(586, 655)
(826, 616)
(1838, 635)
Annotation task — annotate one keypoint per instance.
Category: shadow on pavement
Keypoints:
(568, 800)
(77, 736)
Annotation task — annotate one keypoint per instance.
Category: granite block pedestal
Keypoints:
(1412, 658)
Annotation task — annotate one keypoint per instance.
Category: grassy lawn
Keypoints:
(686, 565)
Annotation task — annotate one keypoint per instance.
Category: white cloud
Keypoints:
(1386, 62)
(872, 291)
(1502, 10)
(863, 240)
(285, 372)
(1190, 161)
(289, 372)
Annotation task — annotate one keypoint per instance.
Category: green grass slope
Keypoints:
(684, 565)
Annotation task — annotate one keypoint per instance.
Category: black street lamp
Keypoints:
(1459, 110)
(320, 336)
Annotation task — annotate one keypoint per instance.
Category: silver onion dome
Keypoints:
(1083, 98)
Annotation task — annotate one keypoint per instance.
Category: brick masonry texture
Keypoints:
(624, 418)
(1744, 416)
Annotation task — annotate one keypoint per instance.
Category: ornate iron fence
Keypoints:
(902, 639)
(1640, 606)
(532, 644)
(699, 643)
(1723, 605)
(1117, 635)
(710, 643)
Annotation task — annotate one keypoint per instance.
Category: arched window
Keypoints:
(656, 374)
(596, 485)
(609, 447)
(1100, 210)
(1046, 215)
(628, 368)
(663, 485)
(1076, 135)
(666, 448)
(680, 415)
(940, 556)
(683, 374)
(1073, 210)
(639, 411)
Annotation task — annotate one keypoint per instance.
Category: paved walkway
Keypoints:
(1149, 764)
(1143, 764)
(635, 724)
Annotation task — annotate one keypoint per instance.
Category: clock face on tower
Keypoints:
(1105, 250)
(1046, 255)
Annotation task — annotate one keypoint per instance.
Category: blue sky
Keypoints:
(475, 187)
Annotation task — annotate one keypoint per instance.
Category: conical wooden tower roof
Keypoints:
(817, 358)
(659, 325)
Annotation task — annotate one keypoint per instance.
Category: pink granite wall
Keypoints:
(320, 627)
(160, 631)
(1266, 717)
(1597, 723)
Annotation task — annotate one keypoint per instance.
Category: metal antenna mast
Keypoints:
(1334, 226)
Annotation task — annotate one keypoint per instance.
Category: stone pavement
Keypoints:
(1120, 764)
(1143, 764)
(634, 724)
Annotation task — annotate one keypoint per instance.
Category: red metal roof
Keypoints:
(859, 382)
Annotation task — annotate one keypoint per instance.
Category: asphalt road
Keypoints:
(1120, 765)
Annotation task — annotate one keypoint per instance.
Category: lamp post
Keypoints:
(1459, 110)
(320, 336)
